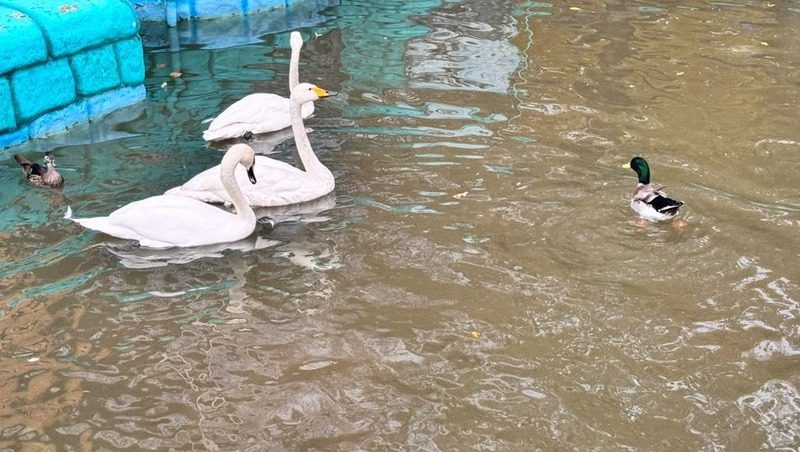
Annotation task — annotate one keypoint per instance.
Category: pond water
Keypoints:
(478, 280)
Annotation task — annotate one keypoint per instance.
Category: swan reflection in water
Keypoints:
(263, 144)
(132, 256)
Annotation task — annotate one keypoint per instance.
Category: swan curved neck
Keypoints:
(228, 178)
(311, 163)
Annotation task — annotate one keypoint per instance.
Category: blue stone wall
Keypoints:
(170, 10)
(65, 62)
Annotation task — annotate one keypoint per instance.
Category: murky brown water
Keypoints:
(477, 283)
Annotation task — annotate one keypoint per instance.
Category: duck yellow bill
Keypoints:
(321, 92)
(627, 165)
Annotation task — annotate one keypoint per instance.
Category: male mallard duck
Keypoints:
(650, 203)
(41, 176)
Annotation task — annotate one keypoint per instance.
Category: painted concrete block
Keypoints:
(216, 8)
(42, 88)
(19, 31)
(104, 103)
(75, 25)
(58, 120)
(65, 62)
(8, 120)
(95, 70)
(130, 56)
(151, 10)
(14, 138)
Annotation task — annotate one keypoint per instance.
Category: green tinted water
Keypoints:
(478, 280)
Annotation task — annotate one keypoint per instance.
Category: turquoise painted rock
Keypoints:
(75, 25)
(131, 61)
(19, 31)
(170, 10)
(8, 120)
(42, 88)
(64, 62)
(95, 70)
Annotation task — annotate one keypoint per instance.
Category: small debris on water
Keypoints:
(679, 224)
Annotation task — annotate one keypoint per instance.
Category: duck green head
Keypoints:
(639, 165)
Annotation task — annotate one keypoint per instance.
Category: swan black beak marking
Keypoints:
(251, 175)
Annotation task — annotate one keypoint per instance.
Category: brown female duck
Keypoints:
(41, 176)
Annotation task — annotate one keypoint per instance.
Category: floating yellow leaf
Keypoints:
(460, 195)
(764, 43)
(574, 8)
(680, 73)
(475, 334)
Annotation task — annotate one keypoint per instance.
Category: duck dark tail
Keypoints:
(23, 162)
(671, 210)
(667, 206)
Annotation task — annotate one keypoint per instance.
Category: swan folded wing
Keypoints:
(252, 106)
(289, 191)
(178, 221)
(265, 169)
(279, 183)
(256, 113)
(102, 224)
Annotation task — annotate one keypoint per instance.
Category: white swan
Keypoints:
(260, 112)
(166, 221)
(279, 183)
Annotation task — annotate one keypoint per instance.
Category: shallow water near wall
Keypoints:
(477, 281)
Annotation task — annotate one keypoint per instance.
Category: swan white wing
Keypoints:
(286, 190)
(102, 224)
(165, 221)
(266, 171)
(179, 221)
(255, 113)
(278, 183)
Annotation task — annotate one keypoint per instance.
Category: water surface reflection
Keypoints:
(477, 281)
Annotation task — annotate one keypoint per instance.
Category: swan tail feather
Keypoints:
(68, 213)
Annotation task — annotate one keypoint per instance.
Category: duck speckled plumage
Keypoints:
(41, 176)
(650, 203)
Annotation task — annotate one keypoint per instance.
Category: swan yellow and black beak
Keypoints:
(322, 92)
(251, 175)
